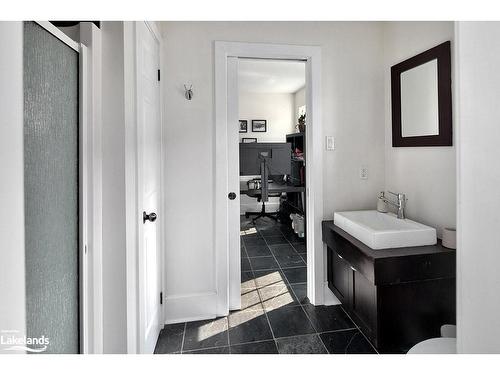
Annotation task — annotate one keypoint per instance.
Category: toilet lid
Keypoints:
(439, 345)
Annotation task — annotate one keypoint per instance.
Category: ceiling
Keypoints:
(271, 76)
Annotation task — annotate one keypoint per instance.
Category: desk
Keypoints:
(294, 200)
(273, 188)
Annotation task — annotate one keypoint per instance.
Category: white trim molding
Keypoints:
(314, 178)
(131, 154)
(90, 36)
(83, 192)
(59, 35)
(12, 249)
(189, 307)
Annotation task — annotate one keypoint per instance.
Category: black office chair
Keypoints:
(262, 212)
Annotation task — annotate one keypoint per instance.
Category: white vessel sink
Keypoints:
(384, 230)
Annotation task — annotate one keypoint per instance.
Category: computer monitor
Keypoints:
(277, 157)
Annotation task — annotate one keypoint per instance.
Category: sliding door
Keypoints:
(51, 189)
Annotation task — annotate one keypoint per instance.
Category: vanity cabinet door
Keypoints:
(364, 303)
(339, 274)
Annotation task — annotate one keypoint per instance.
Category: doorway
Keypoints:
(272, 112)
(227, 210)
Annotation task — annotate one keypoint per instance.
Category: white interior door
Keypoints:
(149, 159)
(233, 184)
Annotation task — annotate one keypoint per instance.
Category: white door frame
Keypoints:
(91, 118)
(83, 174)
(233, 176)
(314, 176)
(59, 35)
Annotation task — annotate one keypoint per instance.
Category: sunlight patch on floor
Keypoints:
(247, 232)
(269, 279)
(211, 329)
(243, 316)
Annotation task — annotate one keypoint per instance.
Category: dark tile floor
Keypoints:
(276, 316)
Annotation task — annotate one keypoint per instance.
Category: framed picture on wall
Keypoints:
(243, 126)
(259, 126)
(248, 140)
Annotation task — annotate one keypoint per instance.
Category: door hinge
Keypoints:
(161, 298)
(158, 74)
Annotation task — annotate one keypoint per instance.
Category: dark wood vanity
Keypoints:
(398, 297)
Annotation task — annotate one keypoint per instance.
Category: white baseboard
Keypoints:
(330, 298)
(190, 307)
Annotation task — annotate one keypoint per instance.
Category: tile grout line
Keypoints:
(192, 351)
(267, 256)
(261, 341)
(362, 333)
(183, 336)
(339, 330)
(274, 269)
(228, 339)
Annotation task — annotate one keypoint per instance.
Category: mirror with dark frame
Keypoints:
(421, 99)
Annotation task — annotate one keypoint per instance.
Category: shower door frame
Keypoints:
(85, 165)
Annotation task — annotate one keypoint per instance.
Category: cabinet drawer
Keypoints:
(353, 256)
(414, 268)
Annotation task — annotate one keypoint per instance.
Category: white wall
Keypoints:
(12, 267)
(113, 191)
(276, 108)
(299, 99)
(425, 174)
(72, 31)
(478, 255)
(352, 112)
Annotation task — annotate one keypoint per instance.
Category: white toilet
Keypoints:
(446, 344)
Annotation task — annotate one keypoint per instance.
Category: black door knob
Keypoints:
(232, 196)
(151, 217)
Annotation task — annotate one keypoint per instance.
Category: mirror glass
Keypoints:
(419, 101)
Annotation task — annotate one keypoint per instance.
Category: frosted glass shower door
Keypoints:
(51, 189)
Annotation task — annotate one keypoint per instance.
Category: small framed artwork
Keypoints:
(243, 126)
(248, 140)
(259, 126)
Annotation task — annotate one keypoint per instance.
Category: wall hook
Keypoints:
(188, 92)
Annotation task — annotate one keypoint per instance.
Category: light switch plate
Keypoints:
(330, 143)
(363, 173)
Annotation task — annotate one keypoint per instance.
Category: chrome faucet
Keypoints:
(400, 204)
